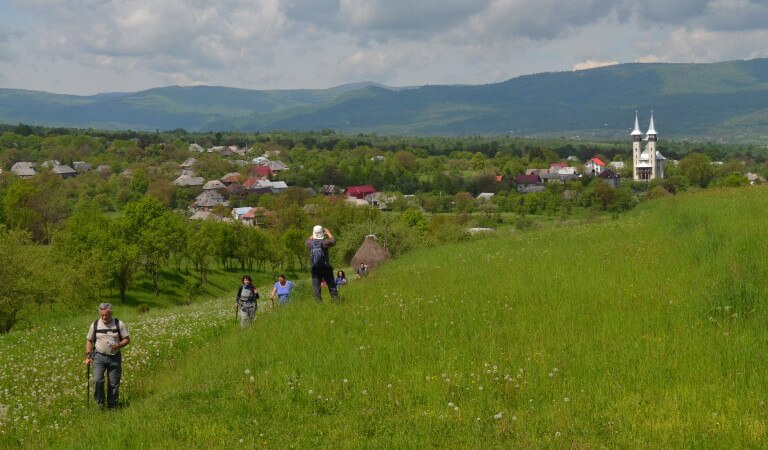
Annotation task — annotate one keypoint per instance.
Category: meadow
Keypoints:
(643, 331)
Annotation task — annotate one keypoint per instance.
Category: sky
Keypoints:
(86, 47)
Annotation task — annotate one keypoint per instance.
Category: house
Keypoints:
(207, 200)
(278, 187)
(523, 181)
(754, 178)
(566, 171)
(485, 196)
(216, 149)
(554, 167)
(257, 216)
(196, 148)
(81, 166)
(610, 177)
(24, 169)
(64, 171)
(185, 179)
(232, 177)
(380, 200)
(378, 158)
(329, 189)
(214, 184)
(536, 171)
(594, 166)
(499, 178)
(202, 215)
(237, 213)
(236, 189)
(262, 172)
(532, 188)
(617, 165)
(188, 163)
(551, 177)
(226, 152)
(359, 192)
(276, 166)
(260, 160)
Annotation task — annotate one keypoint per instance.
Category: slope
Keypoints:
(655, 339)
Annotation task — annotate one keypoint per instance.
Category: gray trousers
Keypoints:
(247, 312)
(113, 366)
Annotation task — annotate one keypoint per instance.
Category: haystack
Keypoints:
(371, 253)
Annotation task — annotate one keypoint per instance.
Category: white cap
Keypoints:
(317, 232)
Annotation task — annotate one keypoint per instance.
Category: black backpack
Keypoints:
(317, 257)
(106, 330)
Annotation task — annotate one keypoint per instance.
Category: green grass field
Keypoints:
(645, 332)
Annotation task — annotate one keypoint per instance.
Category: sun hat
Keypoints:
(317, 232)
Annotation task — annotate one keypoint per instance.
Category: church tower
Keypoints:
(648, 164)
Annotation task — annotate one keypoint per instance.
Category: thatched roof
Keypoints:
(371, 253)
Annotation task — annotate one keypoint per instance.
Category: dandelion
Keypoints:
(311, 392)
(497, 416)
(247, 371)
(551, 374)
(557, 434)
(345, 380)
(252, 379)
(566, 399)
(450, 404)
(514, 418)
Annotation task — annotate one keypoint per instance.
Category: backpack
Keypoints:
(106, 330)
(317, 257)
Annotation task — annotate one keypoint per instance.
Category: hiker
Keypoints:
(246, 298)
(106, 336)
(341, 278)
(282, 289)
(318, 244)
(362, 271)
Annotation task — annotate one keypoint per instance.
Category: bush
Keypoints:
(143, 308)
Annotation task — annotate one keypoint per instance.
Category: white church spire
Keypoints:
(651, 128)
(636, 131)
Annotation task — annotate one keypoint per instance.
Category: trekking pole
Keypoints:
(237, 306)
(88, 385)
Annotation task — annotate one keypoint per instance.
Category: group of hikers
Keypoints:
(107, 335)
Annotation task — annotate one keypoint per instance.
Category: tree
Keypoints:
(697, 167)
(19, 281)
(605, 193)
(153, 232)
(294, 240)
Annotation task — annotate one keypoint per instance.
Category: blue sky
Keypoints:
(92, 46)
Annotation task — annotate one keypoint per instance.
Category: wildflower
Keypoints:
(247, 371)
(252, 379)
(450, 404)
(557, 434)
(497, 416)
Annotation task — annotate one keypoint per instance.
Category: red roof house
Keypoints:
(360, 191)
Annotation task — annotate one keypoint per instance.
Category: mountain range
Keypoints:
(718, 101)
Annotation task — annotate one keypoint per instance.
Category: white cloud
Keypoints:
(84, 45)
(593, 64)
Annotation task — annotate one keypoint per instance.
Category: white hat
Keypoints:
(317, 232)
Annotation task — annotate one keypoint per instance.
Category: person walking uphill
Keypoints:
(282, 289)
(246, 299)
(105, 338)
(318, 244)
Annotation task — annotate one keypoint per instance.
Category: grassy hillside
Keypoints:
(646, 331)
(720, 101)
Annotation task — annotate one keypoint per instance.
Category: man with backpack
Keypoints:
(106, 336)
(318, 244)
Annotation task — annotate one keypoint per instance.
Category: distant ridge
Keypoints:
(719, 101)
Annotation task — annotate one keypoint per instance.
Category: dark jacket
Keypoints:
(252, 298)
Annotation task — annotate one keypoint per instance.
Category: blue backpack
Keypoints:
(317, 256)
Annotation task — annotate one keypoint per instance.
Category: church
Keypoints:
(647, 163)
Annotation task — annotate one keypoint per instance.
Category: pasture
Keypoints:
(645, 331)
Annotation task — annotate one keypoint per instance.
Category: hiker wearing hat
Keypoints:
(318, 244)
(105, 338)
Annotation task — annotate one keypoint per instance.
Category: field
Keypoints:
(644, 331)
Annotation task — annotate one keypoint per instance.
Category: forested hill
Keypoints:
(727, 101)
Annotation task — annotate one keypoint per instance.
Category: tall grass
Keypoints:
(646, 331)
